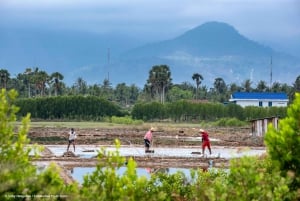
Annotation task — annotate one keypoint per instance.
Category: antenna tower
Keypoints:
(108, 58)
(271, 73)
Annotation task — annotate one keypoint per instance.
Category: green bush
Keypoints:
(125, 120)
(19, 179)
(189, 111)
(229, 122)
(68, 107)
(105, 183)
(283, 144)
(251, 178)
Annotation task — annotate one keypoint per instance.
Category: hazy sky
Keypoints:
(261, 20)
(275, 23)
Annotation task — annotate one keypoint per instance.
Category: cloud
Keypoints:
(156, 18)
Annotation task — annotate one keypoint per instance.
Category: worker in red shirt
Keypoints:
(205, 141)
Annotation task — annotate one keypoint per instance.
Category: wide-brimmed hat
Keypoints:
(152, 129)
(201, 130)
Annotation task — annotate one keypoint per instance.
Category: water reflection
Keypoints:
(78, 172)
(156, 170)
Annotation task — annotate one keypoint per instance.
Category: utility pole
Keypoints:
(271, 74)
(108, 60)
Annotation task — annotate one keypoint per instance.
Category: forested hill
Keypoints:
(208, 40)
(215, 49)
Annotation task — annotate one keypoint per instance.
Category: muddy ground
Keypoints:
(163, 137)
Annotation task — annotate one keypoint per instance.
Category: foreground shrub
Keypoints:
(19, 179)
(106, 184)
(283, 144)
(251, 178)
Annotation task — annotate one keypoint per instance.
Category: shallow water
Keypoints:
(84, 151)
(89, 151)
(78, 172)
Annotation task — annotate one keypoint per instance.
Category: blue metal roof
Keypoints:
(258, 95)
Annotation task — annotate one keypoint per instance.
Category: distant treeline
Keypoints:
(68, 108)
(95, 108)
(189, 111)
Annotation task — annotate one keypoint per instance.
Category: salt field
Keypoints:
(166, 159)
(85, 151)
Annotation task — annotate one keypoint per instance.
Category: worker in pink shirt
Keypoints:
(148, 139)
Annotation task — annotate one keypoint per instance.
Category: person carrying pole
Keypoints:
(148, 139)
(205, 141)
(72, 137)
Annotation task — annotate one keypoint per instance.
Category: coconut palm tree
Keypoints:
(276, 87)
(57, 78)
(80, 86)
(247, 85)
(40, 80)
(262, 86)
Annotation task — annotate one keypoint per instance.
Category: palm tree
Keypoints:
(122, 93)
(220, 85)
(261, 86)
(106, 84)
(233, 87)
(80, 86)
(27, 79)
(247, 85)
(133, 93)
(159, 80)
(276, 87)
(40, 80)
(296, 84)
(57, 78)
(4, 77)
(107, 89)
(185, 86)
(198, 78)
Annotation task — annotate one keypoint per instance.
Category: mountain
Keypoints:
(208, 40)
(73, 53)
(213, 49)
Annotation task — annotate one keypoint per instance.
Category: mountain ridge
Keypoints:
(213, 49)
(205, 40)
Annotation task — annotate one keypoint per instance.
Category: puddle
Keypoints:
(78, 172)
(83, 151)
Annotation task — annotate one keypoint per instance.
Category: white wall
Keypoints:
(265, 103)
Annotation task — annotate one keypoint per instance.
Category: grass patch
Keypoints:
(160, 126)
(229, 122)
(127, 120)
(48, 139)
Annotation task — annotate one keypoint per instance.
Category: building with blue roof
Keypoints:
(260, 99)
